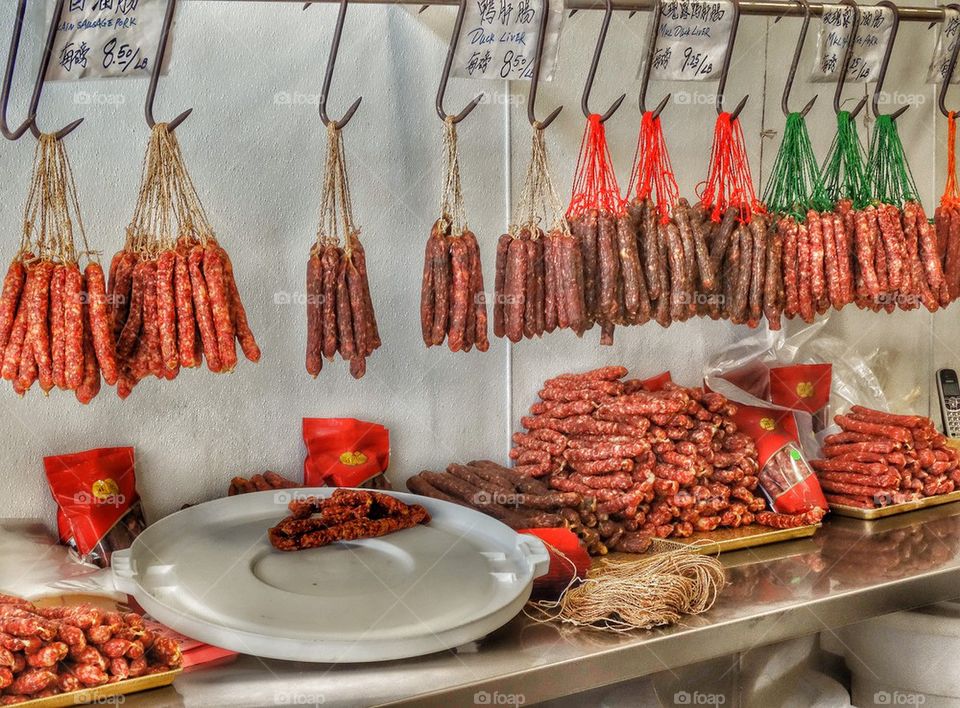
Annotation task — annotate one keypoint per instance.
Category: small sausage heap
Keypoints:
(260, 483)
(54, 324)
(539, 283)
(452, 300)
(663, 463)
(174, 300)
(347, 515)
(340, 316)
(881, 458)
(46, 651)
(524, 502)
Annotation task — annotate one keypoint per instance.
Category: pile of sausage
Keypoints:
(55, 327)
(340, 316)
(347, 515)
(524, 502)
(663, 463)
(46, 651)
(881, 458)
(268, 481)
(453, 305)
(175, 309)
(947, 221)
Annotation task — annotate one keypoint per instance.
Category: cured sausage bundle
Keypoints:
(947, 220)
(47, 651)
(54, 326)
(661, 463)
(340, 316)
(881, 458)
(453, 304)
(260, 483)
(347, 515)
(174, 301)
(594, 211)
(539, 279)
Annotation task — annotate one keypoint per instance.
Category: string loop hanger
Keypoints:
(535, 76)
(648, 64)
(155, 71)
(445, 76)
(951, 67)
(785, 98)
(725, 69)
(31, 122)
(328, 73)
(598, 50)
(887, 53)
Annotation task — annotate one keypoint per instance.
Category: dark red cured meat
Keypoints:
(10, 299)
(791, 276)
(563, 409)
(830, 265)
(661, 312)
(608, 269)
(649, 240)
(166, 309)
(427, 296)
(905, 421)
(515, 290)
(314, 355)
(530, 287)
(73, 326)
(345, 340)
(843, 240)
(238, 314)
(500, 280)
(681, 217)
(573, 282)
(549, 283)
(213, 274)
(868, 284)
(151, 324)
(815, 237)
(773, 285)
(358, 318)
(330, 267)
(459, 292)
(738, 310)
(928, 246)
(893, 432)
(680, 297)
(805, 273)
(201, 307)
(630, 268)
(606, 451)
(722, 239)
(441, 285)
(186, 322)
(704, 262)
(601, 467)
(615, 481)
(587, 378)
(585, 231)
(539, 277)
(758, 229)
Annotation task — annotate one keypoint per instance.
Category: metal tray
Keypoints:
(210, 573)
(855, 512)
(102, 694)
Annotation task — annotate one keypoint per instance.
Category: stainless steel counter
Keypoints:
(851, 570)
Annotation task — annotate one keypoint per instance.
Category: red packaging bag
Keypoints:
(99, 510)
(785, 477)
(344, 452)
(804, 387)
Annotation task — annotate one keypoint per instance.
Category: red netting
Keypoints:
(594, 183)
(729, 182)
(652, 172)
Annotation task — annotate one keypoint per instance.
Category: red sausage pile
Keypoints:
(663, 463)
(54, 324)
(882, 458)
(174, 300)
(46, 651)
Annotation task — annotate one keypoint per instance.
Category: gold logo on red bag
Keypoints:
(805, 389)
(352, 459)
(767, 423)
(104, 489)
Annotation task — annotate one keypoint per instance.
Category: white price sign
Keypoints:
(107, 38)
(946, 40)
(499, 39)
(836, 26)
(692, 38)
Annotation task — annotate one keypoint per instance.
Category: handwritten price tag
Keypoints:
(106, 38)
(834, 36)
(946, 40)
(692, 38)
(499, 40)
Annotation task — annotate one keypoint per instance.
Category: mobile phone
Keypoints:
(948, 391)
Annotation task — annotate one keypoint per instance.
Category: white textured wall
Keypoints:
(257, 164)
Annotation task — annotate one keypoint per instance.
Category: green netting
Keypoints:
(844, 172)
(888, 173)
(795, 173)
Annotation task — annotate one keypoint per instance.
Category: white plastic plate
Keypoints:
(210, 573)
